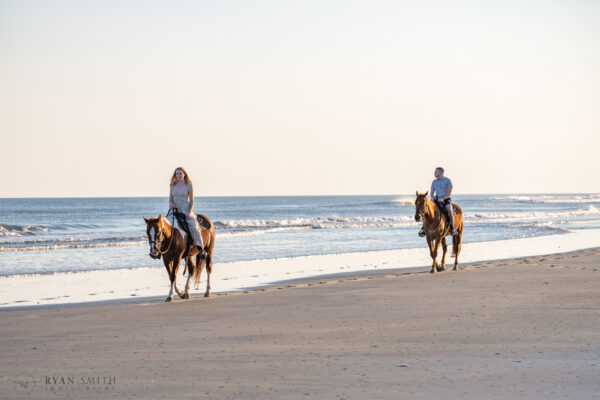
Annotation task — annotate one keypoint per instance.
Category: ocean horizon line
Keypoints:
(289, 195)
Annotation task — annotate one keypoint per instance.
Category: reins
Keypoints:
(441, 217)
(172, 228)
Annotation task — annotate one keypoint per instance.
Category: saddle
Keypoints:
(445, 213)
(182, 219)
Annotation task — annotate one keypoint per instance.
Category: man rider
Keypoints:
(440, 192)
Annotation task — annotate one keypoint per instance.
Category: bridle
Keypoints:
(421, 213)
(157, 242)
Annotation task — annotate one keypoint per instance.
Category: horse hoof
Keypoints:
(206, 294)
(168, 300)
(432, 271)
(455, 269)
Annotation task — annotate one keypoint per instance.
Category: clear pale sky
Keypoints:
(106, 98)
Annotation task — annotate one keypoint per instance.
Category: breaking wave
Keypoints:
(21, 230)
(550, 199)
(315, 223)
(71, 246)
(404, 202)
(33, 230)
(541, 216)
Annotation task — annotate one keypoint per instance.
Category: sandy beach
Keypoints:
(518, 328)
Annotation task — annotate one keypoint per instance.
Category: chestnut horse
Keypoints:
(170, 243)
(437, 227)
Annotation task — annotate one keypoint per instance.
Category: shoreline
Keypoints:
(149, 284)
(291, 283)
(513, 328)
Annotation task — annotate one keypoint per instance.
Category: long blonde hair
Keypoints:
(186, 177)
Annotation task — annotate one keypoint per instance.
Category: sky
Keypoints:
(107, 98)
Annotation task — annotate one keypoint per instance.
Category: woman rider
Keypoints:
(181, 197)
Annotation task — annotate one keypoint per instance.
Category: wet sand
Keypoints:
(520, 328)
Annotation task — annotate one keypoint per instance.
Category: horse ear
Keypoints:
(145, 219)
(417, 192)
(159, 216)
(426, 193)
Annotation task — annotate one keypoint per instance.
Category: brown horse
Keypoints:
(437, 227)
(171, 243)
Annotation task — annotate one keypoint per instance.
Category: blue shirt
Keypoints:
(440, 187)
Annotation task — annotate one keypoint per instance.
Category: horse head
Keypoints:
(155, 235)
(420, 205)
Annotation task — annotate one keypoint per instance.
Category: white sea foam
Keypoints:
(68, 240)
(261, 232)
(17, 230)
(333, 222)
(529, 215)
(590, 198)
(32, 230)
(72, 246)
(519, 198)
(37, 244)
(588, 222)
(406, 202)
(395, 221)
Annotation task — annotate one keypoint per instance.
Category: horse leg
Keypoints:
(444, 250)
(208, 271)
(437, 246)
(455, 263)
(456, 240)
(168, 266)
(190, 268)
(179, 292)
(173, 277)
(433, 253)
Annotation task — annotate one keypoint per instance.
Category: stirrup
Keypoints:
(201, 252)
(422, 232)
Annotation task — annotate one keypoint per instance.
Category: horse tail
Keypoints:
(209, 255)
(209, 245)
(456, 242)
(198, 271)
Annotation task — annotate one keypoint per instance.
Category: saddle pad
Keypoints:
(204, 224)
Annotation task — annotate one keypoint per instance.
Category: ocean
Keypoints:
(51, 235)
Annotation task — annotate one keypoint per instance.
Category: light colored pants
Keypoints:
(195, 231)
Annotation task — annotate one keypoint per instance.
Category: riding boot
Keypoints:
(453, 231)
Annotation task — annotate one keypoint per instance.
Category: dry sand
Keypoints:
(522, 328)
